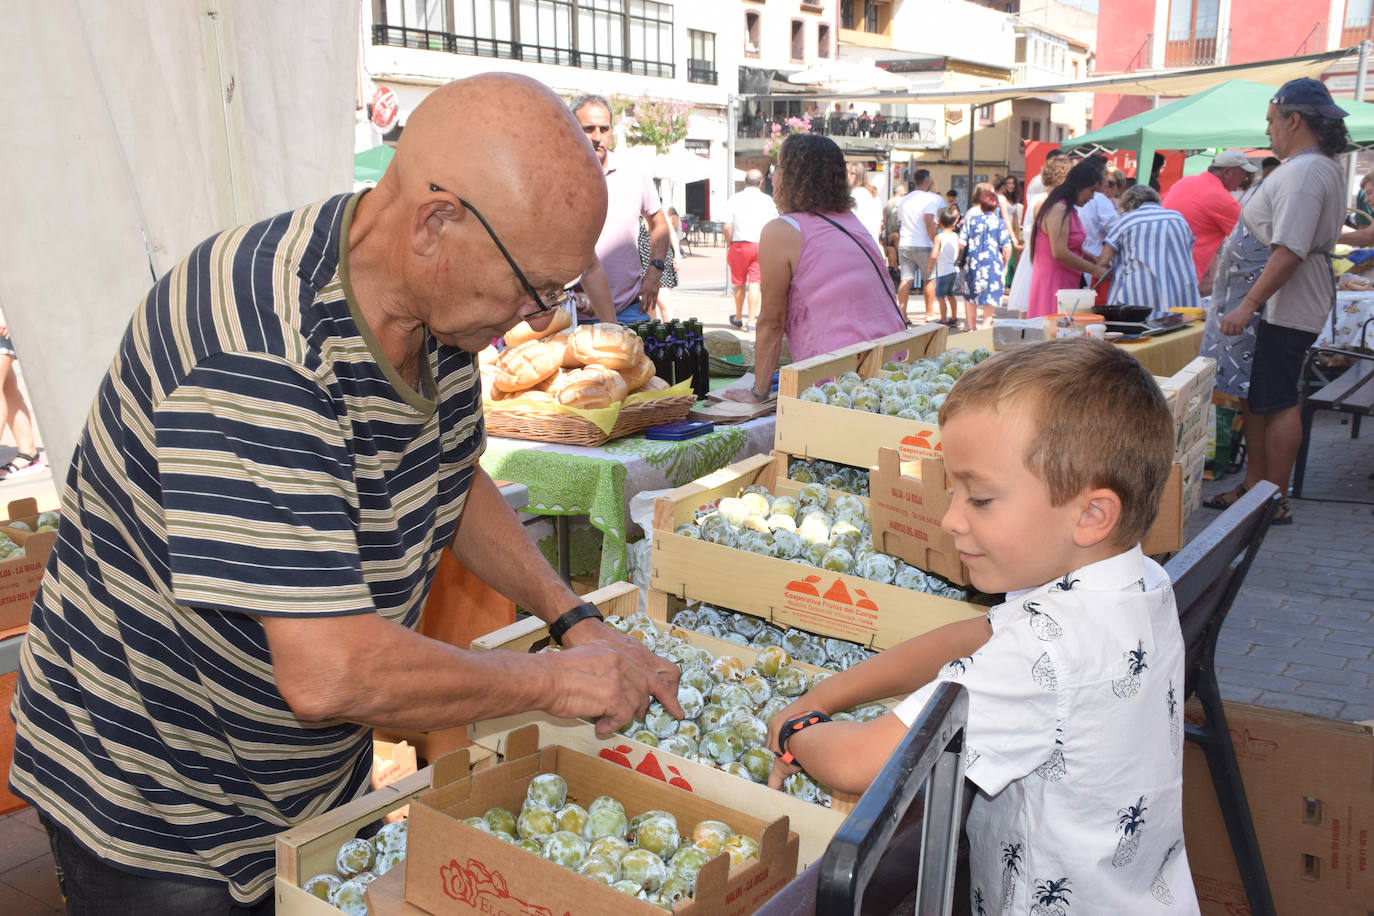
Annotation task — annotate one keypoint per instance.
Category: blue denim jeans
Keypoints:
(632, 312)
(91, 887)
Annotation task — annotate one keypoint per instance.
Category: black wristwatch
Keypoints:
(659, 263)
(792, 726)
(565, 623)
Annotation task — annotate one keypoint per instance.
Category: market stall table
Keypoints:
(1163, 355)
(574, 480)
(1353, 309)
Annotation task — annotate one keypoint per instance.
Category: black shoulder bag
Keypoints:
(882, 274)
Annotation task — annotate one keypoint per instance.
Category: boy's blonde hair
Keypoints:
(1098, 418)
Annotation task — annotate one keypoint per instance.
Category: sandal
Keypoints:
(32, 463)
(736, 322)
(1284, 514)
(1226, 500)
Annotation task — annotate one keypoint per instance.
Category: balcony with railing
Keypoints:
(482, 46)
(1356, 31)
(701, 71)
(1189, 49)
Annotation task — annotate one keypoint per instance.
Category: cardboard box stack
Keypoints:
(1310, 786)
(454, 868)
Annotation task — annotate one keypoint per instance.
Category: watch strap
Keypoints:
(563, 624)
(659, 263)
(793, 725)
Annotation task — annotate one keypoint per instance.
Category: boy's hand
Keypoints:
(801, 704)
(780, 772)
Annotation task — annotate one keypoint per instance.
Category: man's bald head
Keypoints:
(510, 150)
(753, 178)
(501, 141)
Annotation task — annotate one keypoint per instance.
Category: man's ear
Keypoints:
(1099, 511)
(436, 209)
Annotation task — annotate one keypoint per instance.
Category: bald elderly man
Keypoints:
(286, 441)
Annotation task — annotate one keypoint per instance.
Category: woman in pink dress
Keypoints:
(823, 279)
(1057, 240)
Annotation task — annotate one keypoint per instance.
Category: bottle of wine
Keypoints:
(701, 361)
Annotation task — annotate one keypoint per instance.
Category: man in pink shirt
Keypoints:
(1206, 203)
(630, 195)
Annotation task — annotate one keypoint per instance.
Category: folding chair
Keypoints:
(1207, 575)
(931, 756)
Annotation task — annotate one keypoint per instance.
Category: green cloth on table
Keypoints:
(585, 483)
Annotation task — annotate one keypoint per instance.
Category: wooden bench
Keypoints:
(1352, 393)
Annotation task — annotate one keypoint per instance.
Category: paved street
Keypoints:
(1301, 634)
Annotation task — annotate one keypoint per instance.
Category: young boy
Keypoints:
(1075, 681)
(943, 266)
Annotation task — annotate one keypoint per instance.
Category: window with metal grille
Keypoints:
(701, 59)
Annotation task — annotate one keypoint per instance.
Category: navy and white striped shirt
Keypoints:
(1154, 261)
(249, 453)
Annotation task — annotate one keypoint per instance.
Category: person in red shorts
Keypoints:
(750, 210)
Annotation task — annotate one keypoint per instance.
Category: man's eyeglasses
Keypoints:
(543, 303)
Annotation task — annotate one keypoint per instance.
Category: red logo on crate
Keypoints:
(649, 766)
(919, 445)
(478, 887)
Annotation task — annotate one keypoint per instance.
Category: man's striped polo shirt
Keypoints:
(249, 453)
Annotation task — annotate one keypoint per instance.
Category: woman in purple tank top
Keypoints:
(823, 280)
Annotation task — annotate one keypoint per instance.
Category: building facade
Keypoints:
(1159, 34)
(685, 52)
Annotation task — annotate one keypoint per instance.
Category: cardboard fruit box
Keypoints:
(814, 824)
(848, 436)
(1310, 786)
(787, 594)
(908, 500)
(454, 868)
(310, 847)
(1189, 393)
(21, 576)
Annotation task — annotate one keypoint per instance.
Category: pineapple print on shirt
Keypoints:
(1011, 869)
(1158, 889)
(1051, 898)
(955, 668)
(1065, 584)
(1043, 625)
(1042, 672)
(1053, 768)
(1174, 724)
(1129, 820)
(1127, 687)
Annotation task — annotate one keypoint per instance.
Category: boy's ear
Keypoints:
(1099, 512)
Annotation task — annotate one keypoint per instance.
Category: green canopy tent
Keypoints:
(371, 163)
(1229, 115)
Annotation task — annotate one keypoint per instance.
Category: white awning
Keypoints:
(1171, 82)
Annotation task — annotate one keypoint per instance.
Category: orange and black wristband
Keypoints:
(792, 726)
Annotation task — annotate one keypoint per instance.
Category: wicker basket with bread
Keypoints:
(582, 386)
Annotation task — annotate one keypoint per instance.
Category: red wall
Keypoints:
(1260, 30)
(1266, 29)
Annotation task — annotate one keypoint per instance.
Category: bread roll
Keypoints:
(655, 384)
(611, 345)
(562, 353)
(589, 388)
(524, 366)
(522, 332)
(638, 374)
(533, 396)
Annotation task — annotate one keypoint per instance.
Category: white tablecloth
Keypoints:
(1353, 309)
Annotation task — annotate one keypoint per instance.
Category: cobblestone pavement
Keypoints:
(1301, 633)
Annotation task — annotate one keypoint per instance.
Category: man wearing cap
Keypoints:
(1297, 213)
(1206, 203)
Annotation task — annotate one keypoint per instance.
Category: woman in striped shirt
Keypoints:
(1152, 248)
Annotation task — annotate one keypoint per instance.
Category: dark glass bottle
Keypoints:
(657, 348)
(701, 361)
(679, 357)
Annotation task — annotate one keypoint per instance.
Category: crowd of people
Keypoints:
(184, 696)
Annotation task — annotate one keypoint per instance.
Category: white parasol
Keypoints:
(847, 76)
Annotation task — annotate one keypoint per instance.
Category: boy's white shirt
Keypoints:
(946, 253)
(1066, 735)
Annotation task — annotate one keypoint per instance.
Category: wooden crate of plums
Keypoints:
(844, 406)
(797, 555)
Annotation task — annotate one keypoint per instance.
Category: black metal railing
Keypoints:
(476, 46)
(701, 71)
